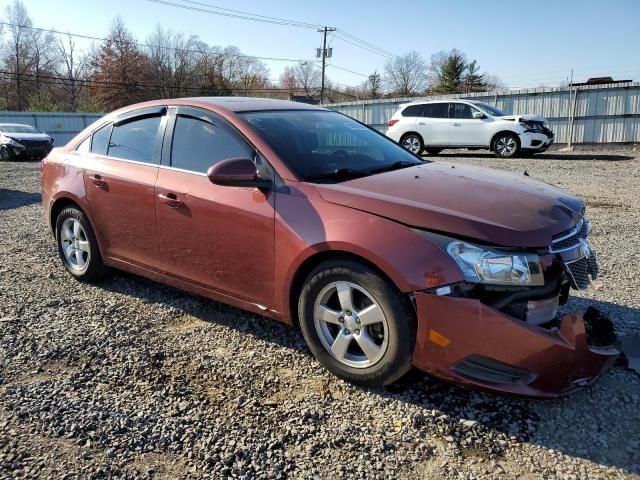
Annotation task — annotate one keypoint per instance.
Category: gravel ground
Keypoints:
(132, 379)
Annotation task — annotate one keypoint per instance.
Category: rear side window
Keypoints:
(413, 111)
(197, 144)
(461, 110)
(436, 110)
(100, 142)
(135, 140)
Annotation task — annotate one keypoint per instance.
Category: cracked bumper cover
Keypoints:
(478, 346)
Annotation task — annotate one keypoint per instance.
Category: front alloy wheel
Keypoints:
(350, 324)
(507, 145)
(356, 323)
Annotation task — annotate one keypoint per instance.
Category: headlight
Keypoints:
(531, 126)
(15, 143)
(482, 265)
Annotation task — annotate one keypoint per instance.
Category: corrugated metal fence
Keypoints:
(61, 126)
(601, 113)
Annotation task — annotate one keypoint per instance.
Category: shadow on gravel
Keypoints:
(586, 424)
(575, 156)
(10, 199)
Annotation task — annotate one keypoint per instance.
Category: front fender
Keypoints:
(306, 228)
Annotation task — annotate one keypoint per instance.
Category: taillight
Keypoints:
(393, 121)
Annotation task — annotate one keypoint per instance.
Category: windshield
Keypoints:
(489, 109)
(17, 129)
(323, 146)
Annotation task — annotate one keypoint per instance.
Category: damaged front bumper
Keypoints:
(467, 342)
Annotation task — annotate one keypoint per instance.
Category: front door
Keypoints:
(218, 237)
(465, 129)
(119, 178)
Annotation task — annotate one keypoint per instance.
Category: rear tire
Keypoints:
(356, 324)
(412, 142)
(78, 247)
(506, 145)
(433, 151)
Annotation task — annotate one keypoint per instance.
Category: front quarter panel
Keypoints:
(309, 226)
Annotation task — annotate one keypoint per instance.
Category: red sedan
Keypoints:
(306, 216)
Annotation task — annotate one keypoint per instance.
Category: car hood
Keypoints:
(529, 118)
(37, 137)
(487, 205)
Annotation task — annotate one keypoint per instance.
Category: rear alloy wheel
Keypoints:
(7, 154)
(77, 245)
(413, 142)
(356, 324)
(506, 145)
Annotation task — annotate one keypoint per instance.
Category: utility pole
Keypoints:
(325, 55)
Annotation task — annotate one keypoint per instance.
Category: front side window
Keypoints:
(85, 146)
(327, 147)
(198, 144)
(461, 110)
(436, 110)
(135, 139)
(100, 142)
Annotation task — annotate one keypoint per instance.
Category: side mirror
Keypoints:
(236, 172)
(478, 115)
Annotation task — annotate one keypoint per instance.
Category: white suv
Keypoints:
(438, 124)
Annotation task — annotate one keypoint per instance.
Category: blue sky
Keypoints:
(525, 43)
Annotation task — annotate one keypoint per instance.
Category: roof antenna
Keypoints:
(526, 174)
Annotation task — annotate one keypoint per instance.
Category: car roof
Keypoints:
(245, 104)
(442, 100)
(229, 104)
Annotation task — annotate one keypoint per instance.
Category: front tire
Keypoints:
(7, 154)
(77, 246)
(506, 145)
(412, 142)
(356, 324)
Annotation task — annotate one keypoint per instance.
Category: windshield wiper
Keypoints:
(338, 174)
(394, 166)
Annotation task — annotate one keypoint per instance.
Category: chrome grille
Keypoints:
(579, 260)
(570, 238)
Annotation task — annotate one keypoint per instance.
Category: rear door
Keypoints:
(466, 130)
(218, 237)
(434, 126)
(120, 179)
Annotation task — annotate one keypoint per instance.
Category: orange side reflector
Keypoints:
(438, 338)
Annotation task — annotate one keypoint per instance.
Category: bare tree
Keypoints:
(173, 59)
(72, 68)
(244, 73)
(406, 75)
(373, 85)
(289, 79)
(17, 55)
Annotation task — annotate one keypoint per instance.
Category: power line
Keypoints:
(146, 45)
(239, 15)
(384, 55)
(367, 44)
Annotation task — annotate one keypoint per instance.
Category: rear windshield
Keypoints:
(17, 129)
(324, 146)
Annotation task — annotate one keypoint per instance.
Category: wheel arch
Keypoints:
(410, 132)
(311, 262)
(502, 132)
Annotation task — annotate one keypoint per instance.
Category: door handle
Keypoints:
(98, 181)
(421, 123)
(456, 124)
(170, 199)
